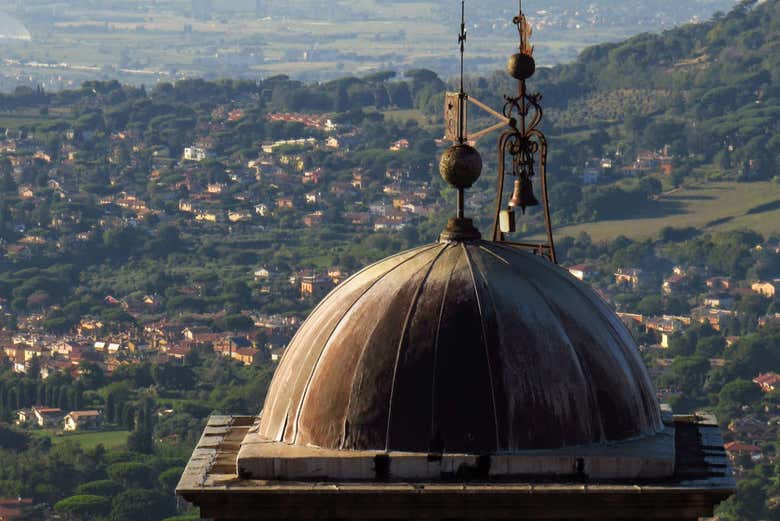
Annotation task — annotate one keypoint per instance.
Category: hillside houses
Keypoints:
(210, 190)
(681, 281)
(766, 289)
(581, 271)
(54, 418)
(655, 161)
(271, 147)
(630, 277)
(768, 382)
(598, 170)
(717, 284)
(766, 320)
(315, 285)
(736, 449)
(719, 301)
(749, 427)
(45, 416)
(308, 120)
(285, 203)
(713, 316)
(198, 154)
(401, 144)
(82, 420)
(240, 216)
(668, 324)
(314, 219)
(241, 349)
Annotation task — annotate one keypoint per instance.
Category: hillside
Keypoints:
(691, 106)
(627, 121)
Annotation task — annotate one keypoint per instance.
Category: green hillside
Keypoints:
(707, 94)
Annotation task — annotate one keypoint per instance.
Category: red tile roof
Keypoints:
(738, 446)
(767, 379)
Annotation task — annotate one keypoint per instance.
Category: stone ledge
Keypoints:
(687, 496)
(648, 458)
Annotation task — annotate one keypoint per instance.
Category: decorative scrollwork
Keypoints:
(519, 107)
(511, 106)
(523, 148)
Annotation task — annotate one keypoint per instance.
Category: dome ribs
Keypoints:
(461, 347)
(344, 371)
(486, 314)
(416, 386)
(434, 433)
(464, 420)
(606, 352)
(548, 348)
(644, 395)
(285, 394)
(645, 391)
(603, 361)
(623, 341)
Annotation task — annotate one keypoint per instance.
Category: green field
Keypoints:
(404, 115)
(89, 440)
(712, 207)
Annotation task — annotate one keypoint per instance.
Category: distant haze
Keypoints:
(144, 42)
(11, 28)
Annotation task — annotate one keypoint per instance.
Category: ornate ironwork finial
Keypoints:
(525, 30)
(523, 145)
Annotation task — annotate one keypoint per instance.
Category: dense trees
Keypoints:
(17, 393)
(83, 507)
(135, 504)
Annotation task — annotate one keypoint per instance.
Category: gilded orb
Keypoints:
(521, 66)
(461, 165)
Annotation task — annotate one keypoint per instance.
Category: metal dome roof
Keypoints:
(460, 347)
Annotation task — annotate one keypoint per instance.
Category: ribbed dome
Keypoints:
(460, 348)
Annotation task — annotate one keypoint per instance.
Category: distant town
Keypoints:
(44, 42)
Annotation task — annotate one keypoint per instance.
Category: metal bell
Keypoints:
(523, 195)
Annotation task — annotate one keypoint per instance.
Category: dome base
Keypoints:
(651, 457)
(460, 229)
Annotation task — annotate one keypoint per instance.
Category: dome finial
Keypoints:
(461, 164)
(521, 65)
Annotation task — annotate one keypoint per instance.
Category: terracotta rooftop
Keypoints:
(767, 379)
(738, 446)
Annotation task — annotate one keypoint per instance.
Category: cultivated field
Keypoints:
(712, 207)
(89, 440)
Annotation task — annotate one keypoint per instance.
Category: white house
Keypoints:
(766, 288)
(47, 416)
(80, 420)
(196, 154)
(581, 271)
